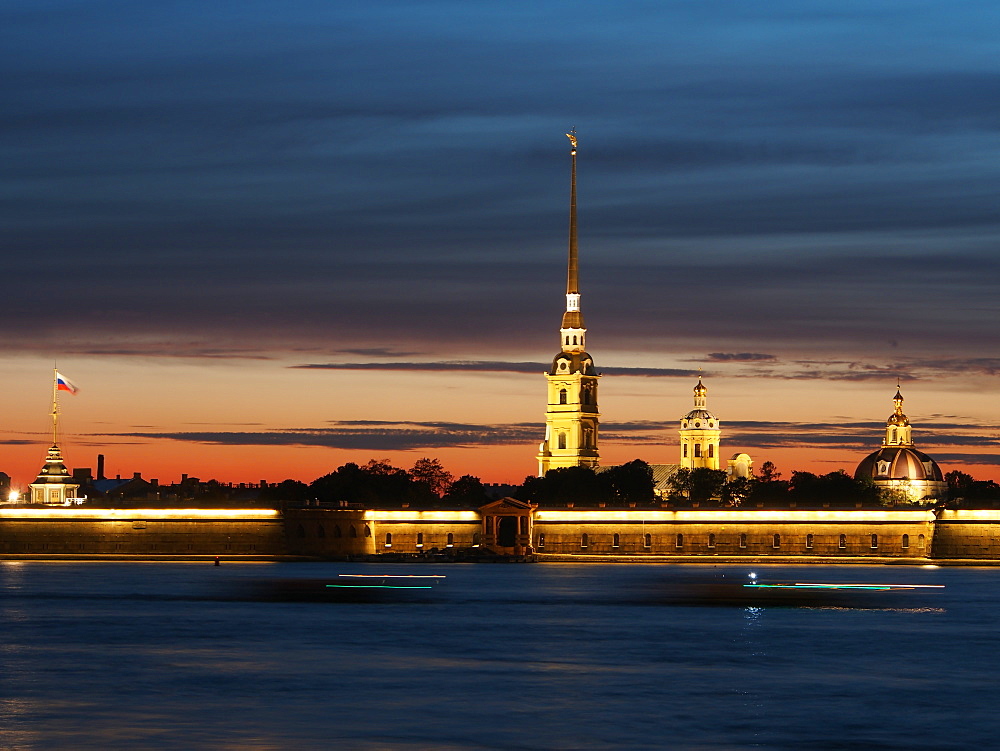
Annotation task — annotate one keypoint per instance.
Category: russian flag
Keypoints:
(65, 384)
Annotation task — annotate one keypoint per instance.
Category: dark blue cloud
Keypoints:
(247, 172)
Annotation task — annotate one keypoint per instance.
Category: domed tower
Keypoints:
(898, 465)
(700, 433)
(571, 419)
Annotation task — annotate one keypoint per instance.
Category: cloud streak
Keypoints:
(852, 438)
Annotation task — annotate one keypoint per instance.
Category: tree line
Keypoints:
(427, 484)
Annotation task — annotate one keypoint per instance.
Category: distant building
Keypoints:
(899, 466)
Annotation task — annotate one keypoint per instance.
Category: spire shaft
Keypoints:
(572, 318)
(572, 275)
(55, 406)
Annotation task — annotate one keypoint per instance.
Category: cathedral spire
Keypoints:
(572, 329)
(573, 272)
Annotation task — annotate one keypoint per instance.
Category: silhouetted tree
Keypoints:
(433, 475)
(701, 486)
(631, 482)
(836, 490)
(768, 472)
(972, 493)
(736, 492)
(466, 491)
(377, 483)
(577, 485)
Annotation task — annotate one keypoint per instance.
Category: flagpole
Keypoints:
(55, 405)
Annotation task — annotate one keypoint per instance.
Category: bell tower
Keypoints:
(700, 433)
(571, 419)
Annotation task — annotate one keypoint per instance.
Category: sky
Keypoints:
(266, 238)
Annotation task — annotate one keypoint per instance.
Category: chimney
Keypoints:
(100, 466)
(137, 475)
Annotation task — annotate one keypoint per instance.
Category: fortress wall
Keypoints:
(690, 532)
(967, 534)
(329, 533)
(435, 526)
(956, 534)
(231, 532)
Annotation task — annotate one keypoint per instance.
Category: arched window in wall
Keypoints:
(685, 450)
(679, 542)
(336, 531)
(368, 531)
(647, 540)
(320, 531)
(697, 450)
(616, 541)
(388, 539)
(906, 542)
(842, 544)
(562, 396)
(562, 440)
(584, 540)
(451, 540)
(541, 540)
(711, 540)
(711, 450)
(300, 531)
(420, 539)
(352, 532)
(809, 542)
(776, 541)
(874, 541)
(743, 539)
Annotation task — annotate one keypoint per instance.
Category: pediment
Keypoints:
(507, 505)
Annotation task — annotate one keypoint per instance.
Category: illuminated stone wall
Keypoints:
(734, 533)
(415, 531)
(154, 532)
(967, 534)
(329, 533)
(326, 533)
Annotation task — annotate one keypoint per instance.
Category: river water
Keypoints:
(106, 655)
